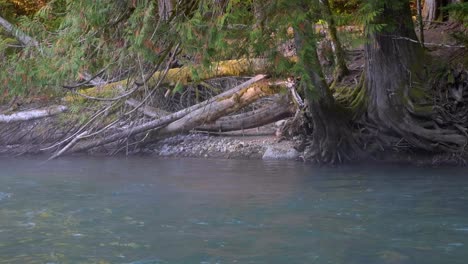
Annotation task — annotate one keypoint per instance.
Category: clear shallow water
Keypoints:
(145, 211)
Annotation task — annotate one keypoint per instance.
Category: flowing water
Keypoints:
(143, 211)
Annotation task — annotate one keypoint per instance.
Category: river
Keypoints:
(147, 211)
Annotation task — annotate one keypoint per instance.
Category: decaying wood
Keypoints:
(218, 108)
(32, 114)
(158, 123)
(278, 109)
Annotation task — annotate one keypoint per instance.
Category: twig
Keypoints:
(78, 85)
(79, 130)
(426, 43)
(69, 145)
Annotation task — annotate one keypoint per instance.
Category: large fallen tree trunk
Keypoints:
(32, 114)
(280, 108)
(219, 108)
(232, 100)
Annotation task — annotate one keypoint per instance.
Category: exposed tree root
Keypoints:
(331, 140)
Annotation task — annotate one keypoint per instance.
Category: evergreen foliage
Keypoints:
(459, 11)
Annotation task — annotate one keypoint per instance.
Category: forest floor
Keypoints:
(258, 143)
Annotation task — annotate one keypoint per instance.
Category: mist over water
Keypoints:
(144, 210)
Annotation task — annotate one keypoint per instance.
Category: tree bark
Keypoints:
(219, 108)
(331, 140)
(340, 61)
(280, 108)
(420, 22)
(165, 8)
(259, 13)
(431, 10)
(394, 66)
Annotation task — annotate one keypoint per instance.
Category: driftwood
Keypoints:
(32, 114)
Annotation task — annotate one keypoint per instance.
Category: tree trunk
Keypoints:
(165, 8)
(278, 109)
(331, 140)
(218, 108)
(431, 10)
(340, 61)
(420, 22)
(259, 14)
(394, 66)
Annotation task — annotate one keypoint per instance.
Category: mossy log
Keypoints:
(182, 75)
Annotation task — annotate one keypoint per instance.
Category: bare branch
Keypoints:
(32, 114)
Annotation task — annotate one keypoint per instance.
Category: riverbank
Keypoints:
(35, 136)
(39, 136)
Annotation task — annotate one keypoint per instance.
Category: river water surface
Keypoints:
(144, 211)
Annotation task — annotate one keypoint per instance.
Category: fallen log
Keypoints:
(32, 114)
(219, 108)
(183, 76)
(158, 123)
(280, 108)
